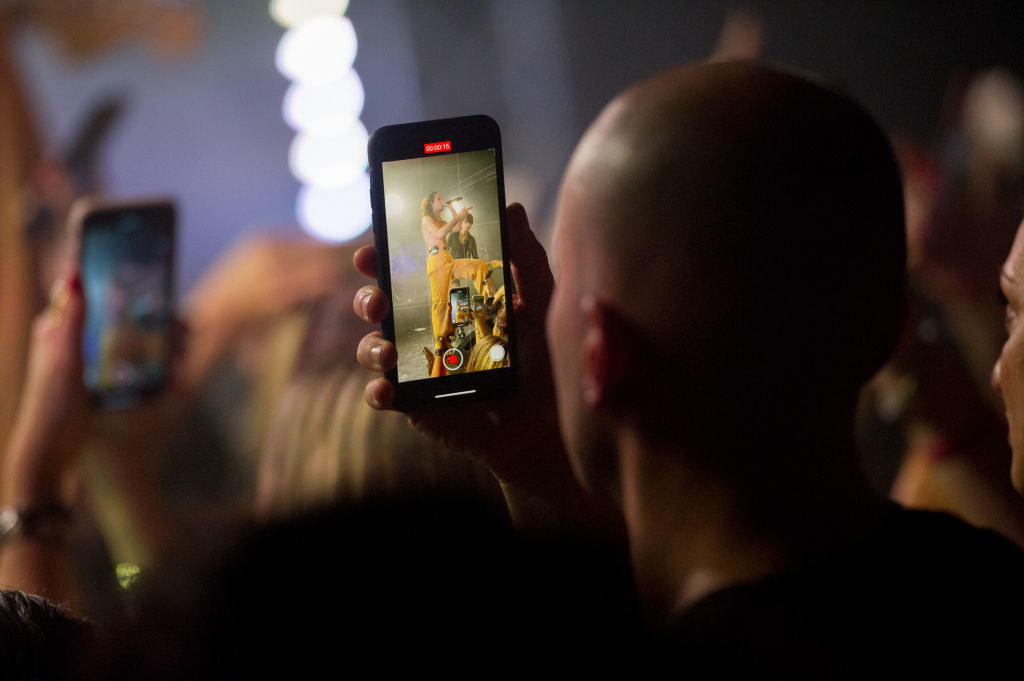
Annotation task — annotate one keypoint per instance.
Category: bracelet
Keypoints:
(49, 522)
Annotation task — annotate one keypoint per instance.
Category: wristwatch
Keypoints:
(50, 523)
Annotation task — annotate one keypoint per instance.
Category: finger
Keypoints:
(530, 268)
(73, 317)
(371, 304)
(57, 332)
(375, 353)
(365, 260)
(380, 394)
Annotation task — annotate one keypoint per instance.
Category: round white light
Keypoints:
(394, 203)
(290, 13)
(335, 214)
(496, 353)
(317, 51)
(325, 109)
(329, 161)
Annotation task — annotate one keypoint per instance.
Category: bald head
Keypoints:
(748, 223)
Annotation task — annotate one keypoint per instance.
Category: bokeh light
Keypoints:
(317, 51)
(291, 13)
(325, 109)
(335, 213)
(323, 103)
(329, 161)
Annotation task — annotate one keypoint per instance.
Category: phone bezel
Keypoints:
(406, 141)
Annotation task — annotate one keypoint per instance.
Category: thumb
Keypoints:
(530, 269)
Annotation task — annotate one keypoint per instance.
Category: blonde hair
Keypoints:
(326, 445)
(480, 356)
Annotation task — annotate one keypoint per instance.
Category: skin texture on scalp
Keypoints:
(747, 226)
(730, 252)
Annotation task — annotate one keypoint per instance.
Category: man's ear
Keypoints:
(603, 354)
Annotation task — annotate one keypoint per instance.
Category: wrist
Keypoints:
(49, 523)
(32, 475)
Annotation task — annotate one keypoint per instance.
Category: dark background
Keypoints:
(209, 128)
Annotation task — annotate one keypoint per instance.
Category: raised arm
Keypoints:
(43, 448)
(439, 231)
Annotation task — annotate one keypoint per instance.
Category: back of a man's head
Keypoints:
(748, 225)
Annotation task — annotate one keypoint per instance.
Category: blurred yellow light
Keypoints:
(290, 13)
(127, 573)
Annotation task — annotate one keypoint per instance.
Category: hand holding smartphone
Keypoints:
(429, 183)
(127, 254)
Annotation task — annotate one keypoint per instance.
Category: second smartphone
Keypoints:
(127, 267)
(438, 196)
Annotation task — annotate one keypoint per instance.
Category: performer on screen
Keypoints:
(461, 243)
(441, 266)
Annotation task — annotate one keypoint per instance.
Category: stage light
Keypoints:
(127, 574)
(325, 109)
(395, 204)
(317, 51)
(329, 161)
(323, 105)
(291, 13)
(335, 214)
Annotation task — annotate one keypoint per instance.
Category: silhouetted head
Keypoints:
(43, 640)
(730, 251)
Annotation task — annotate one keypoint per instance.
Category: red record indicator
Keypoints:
(452, 359)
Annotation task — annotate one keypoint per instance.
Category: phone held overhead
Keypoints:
(127, 259)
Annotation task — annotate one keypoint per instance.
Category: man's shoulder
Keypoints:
(923, 581)
(946, 544)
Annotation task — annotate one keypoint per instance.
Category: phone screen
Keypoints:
(460, 306)
(423, 197)
(127, 260)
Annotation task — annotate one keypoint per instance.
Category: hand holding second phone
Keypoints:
(53, 413)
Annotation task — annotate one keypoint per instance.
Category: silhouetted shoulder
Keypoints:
(926, 594)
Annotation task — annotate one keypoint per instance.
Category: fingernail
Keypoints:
(365, 301)
(59, 295)
(375, 352)
(76, 282)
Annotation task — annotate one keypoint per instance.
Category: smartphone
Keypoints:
(425, 178)
(460, 306)
(126, 258)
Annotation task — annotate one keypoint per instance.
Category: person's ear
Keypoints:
(604, 358)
